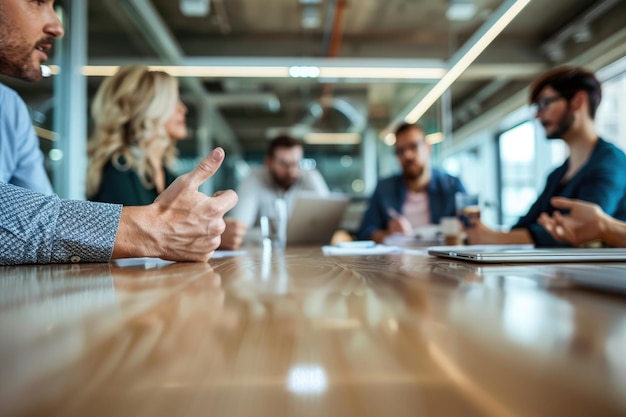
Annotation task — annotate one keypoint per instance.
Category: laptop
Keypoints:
(315, 219)
(516, 254)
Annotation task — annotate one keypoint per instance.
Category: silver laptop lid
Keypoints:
(514, 255)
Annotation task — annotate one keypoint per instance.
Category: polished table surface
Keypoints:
(302, 334)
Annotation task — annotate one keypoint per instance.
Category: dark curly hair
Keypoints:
(567, 81)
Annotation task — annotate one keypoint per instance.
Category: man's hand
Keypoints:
(397, 224)
(479, 234)
(233, 235)
(585, 222)
(400, 224)
(182, 224)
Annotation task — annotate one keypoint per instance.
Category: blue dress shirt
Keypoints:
(21, 160)
(391, 193)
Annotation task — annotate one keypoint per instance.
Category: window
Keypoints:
(517, 160)
(609, 124)
(526, 159)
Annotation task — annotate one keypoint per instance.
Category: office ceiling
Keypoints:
(544, 34)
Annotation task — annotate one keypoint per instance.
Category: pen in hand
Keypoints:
(393, 214)
(398, 223)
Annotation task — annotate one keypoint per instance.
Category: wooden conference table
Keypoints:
(302, 334)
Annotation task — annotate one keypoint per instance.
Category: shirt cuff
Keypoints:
(85, 232)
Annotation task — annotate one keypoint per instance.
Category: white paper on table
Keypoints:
(218, 254)
(147, 263)
(374, 250)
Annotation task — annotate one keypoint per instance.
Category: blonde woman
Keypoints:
(138, 117)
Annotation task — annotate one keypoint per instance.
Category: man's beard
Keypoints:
(14, 62)
(281, 182)
(412, 175)
(22, 69)
(564, 125)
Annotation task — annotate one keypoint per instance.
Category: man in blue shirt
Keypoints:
(21, 160)
(419, 196)
(181, 224)
(565, 101)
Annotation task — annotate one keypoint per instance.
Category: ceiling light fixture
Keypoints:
(297, 71)
(304, 72)
(194, 8)
(460, 10)
(390, 139)
(464, 57)
(319, 138)
(194, 71)
(46, 71)
(383, 73)
(433, 138)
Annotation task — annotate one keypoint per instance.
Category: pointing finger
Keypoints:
(206, 168)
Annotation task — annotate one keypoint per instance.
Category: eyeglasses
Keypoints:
(414, 146)
(543, 103)
(287, 164)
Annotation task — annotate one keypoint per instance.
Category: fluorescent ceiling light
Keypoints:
(304, 72)
(46, 71)
(380, 73)
(390, 139)
(437, 137)
(383, 73)
(194, 8)
(317, 138)
(433, 138)
(484, 40)
(185, 71)
(45, 133)
(461, 10)
(54, 69)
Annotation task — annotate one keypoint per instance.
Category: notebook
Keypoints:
(515, 254)
(314, 219)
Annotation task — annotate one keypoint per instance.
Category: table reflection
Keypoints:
(298, 333)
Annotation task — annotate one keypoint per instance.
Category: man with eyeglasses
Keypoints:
(280, 177)
(419, 196)
(565, 101)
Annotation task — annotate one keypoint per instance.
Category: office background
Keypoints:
(340, 75)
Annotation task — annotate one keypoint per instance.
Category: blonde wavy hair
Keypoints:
(130, 111)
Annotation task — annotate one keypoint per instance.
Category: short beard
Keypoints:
(21, 70)
(15, 63)
(565, 124)
(409, 176)
(281, 183)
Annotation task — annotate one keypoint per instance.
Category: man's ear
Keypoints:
(579, 101)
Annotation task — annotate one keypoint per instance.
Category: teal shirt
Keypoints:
(601, 181)
(124, 187)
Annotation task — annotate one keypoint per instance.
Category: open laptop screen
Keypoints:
(314, 219)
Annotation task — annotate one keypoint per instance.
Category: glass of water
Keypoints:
(273, 224)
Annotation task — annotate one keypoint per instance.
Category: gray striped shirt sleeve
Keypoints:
(35, 228)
